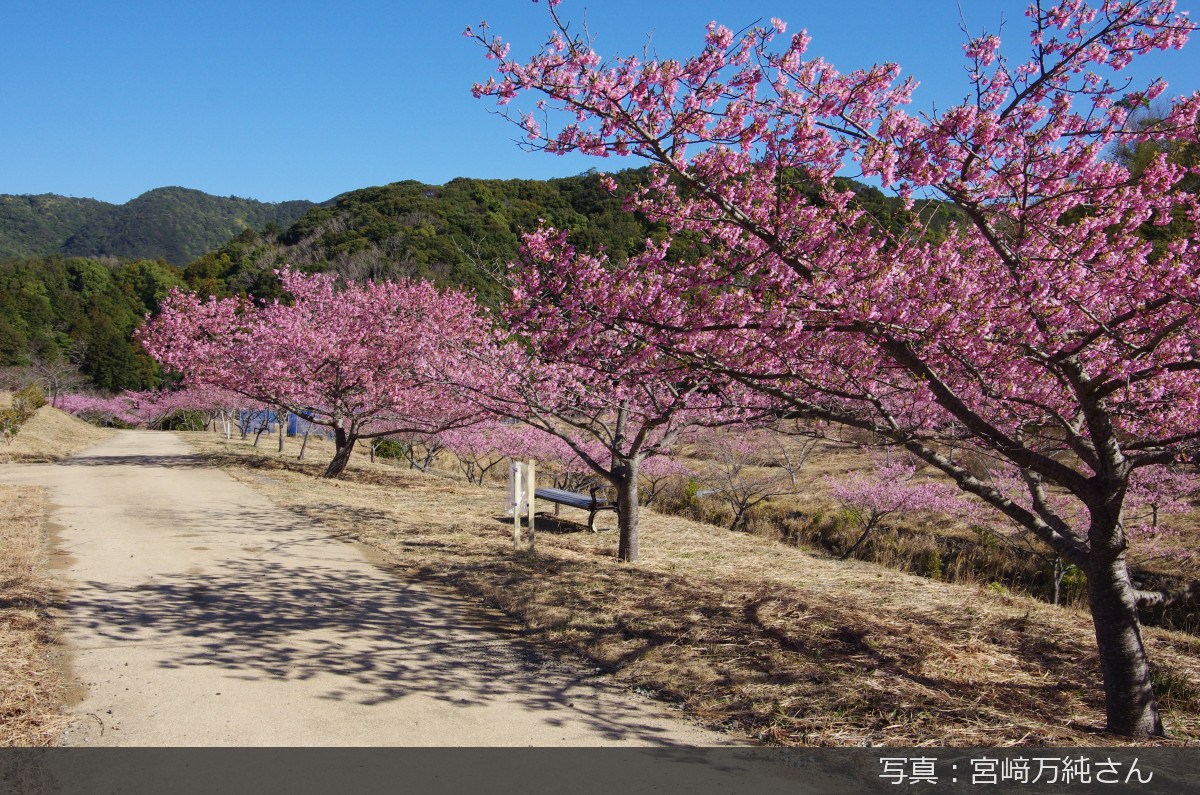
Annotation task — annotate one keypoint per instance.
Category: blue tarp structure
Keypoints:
(296, 425)
(255, 419)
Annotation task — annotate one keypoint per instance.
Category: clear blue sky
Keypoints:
(306, 100)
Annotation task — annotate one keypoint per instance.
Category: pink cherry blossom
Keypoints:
(1042, 330)
(365, 360)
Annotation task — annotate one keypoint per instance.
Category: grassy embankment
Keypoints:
(760, 637)
(31, 686)
(989, 554)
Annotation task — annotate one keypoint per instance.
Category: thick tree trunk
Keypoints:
(1128, 690)
(343, 445)
(626, 481)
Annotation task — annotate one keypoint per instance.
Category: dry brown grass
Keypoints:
(761, 638)
(31, 687)
(50, 435)
(931, 545)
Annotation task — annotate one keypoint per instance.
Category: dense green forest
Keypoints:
(79, 314)
(173, 224)
(457, 234)
(81, 311)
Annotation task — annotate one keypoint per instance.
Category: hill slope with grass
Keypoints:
(51, 435)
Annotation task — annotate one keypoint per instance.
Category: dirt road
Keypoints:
(197, 614)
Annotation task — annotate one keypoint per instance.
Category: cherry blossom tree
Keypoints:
(611, 425)
(420, 450)
(1043, 329)
(1158, 496)
(151, 408)
(96, 409)
(889, 491)
(365, 360)
(478, 449)
(555, 458)
(657, 474)
(611, 399)
(737, 470)
(1156, 500)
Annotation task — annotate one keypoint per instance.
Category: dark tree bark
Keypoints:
(343, 444)
(1130, 705)
(625, 478)
(261, 430)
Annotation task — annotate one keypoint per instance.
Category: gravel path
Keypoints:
(198, 615)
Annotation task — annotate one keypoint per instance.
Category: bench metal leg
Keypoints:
(592, 521)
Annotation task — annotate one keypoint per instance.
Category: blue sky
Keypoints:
(306, 99)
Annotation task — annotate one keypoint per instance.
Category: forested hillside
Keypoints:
(173, 224)
(459, 234)
(76, 315)
(454, 234)
(80, 311)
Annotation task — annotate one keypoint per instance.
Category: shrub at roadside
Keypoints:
(24, 405)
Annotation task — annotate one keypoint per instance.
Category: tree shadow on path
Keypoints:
(384, 639)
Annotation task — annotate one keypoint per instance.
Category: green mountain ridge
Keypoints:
(456, 234)
(173, 224)
(106, 266)
(463, 232)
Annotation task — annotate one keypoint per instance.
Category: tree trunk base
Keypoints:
(1130, 705)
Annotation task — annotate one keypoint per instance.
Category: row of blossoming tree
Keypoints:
(1045, 332)
(153, 408)
(366, 361)
(387, 359)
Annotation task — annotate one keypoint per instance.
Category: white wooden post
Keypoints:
(517, 507)
(530, 485)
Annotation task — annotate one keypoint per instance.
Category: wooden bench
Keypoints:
(592, 504)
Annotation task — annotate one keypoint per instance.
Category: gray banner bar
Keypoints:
(582, 771)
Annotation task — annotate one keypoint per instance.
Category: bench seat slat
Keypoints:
(591, 504)
(570, 498)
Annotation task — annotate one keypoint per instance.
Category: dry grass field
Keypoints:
(31, 685)
(765, 639)
(985, 552)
